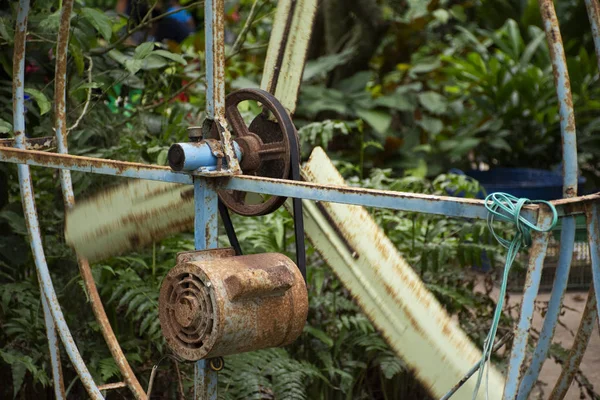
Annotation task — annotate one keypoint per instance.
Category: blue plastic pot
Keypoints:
(534, 184)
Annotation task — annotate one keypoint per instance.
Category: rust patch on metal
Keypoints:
(283, 47)
(203, 255)
(41, 143)
(258, 282)
(266, 147)
(107, 331)
(227, 305)
(571, 364)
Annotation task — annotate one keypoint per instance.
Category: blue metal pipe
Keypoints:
(537, 255)
(411, 202)
(567, 244)
(593, 231)
(24, 180)
(593, 9)
(190, 157)
(206, 232)
(49, 300)
(565, 100)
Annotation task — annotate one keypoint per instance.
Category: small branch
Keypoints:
(179, 380)
(89, 96)
(249, 21)
(142, 25)
(177, 93)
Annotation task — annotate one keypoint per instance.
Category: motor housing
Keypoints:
(214, 303)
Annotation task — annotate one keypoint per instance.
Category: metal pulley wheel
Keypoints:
(269, 146)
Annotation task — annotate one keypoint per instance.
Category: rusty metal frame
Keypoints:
(519, 381)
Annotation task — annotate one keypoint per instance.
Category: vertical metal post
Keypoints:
(593, 231)
(205, 237)
(25, 181)
(214, 33)
(569, 153)
(49, 300)
(565, 100)
(582, 338)
(537, 254)
(593, 9)
(567, 244)
(205, 197)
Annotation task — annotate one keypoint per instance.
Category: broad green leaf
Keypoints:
(99, 20)
(325, 64)
(171, 56)
(464, 145)
(51, 22)
(531, 48)
(5, 126)
(420, 171)
(379, 120)
(18, 370)
(441, 15)
(143, 50)
(417, 9)
(134, 66)
(41, 100)
(153, 62)
(397, 101)
(433, 102)
(118, 56)
(15, 221)
(431, 125)
(6, 30)
(77, 54)
(162, 157)
(319, 334)
(500, 144)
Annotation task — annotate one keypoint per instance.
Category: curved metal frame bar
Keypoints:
(69, 201)
(49, 300)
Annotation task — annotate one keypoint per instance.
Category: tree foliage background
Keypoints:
(399, 92)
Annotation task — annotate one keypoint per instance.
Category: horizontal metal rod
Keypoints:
(411, 202)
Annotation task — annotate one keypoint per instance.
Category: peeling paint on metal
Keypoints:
(567, 244)
(582, 338)
(565, 100)
(28, 200)
(537, 254)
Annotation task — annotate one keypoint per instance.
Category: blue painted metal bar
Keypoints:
(411, 202)
(565, 100)
(537, 254)
(49, 300)
(593, 231)
(593, 9)
(206, 232)
(206, 211)
(582, 338)
(25, 180)
(567, 244)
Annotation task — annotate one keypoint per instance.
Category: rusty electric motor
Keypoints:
(214, 303)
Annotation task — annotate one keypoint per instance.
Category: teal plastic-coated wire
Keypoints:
(504, 207)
